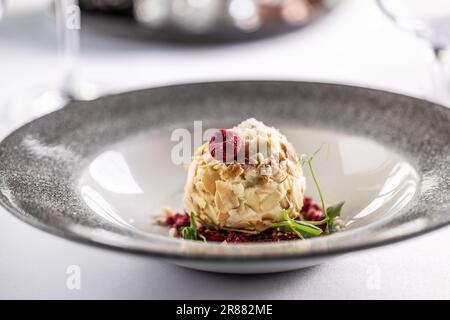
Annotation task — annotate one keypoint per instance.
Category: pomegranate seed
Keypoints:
(214, 235)
(234, 237)
(314, 215)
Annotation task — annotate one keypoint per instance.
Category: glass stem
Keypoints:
(68, 40)
(440, 91)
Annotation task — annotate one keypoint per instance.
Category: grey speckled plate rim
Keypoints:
(29, 219)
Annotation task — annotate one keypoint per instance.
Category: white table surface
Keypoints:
(354, 44)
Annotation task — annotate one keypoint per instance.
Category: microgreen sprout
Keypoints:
(331, 212)
(301, 228)
(190, 232)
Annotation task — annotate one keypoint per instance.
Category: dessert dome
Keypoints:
(244, 178)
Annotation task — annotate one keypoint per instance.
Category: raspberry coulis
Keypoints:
(311, 211)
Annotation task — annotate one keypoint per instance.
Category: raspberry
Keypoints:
(225, 145)
(312, 210)
(314, 215)
(307, 201)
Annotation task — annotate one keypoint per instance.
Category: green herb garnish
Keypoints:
(190, 232)
(331, 212)
(305, 159)
(309, 228)
(301, 228)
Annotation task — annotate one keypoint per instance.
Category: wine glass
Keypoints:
(32, 102)
(429, 21)
(2, 8)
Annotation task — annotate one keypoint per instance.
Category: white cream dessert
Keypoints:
(244, 178)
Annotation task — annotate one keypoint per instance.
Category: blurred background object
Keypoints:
(32, 102)
(205, 20)
(429, 21)
(2, 8)
(68, 26)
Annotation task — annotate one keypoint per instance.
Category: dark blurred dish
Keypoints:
(202, 20)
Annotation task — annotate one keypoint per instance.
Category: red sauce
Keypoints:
(311, 211)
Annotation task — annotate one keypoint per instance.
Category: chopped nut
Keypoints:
(251, 175)
(228, 199)
(219, 204)
(173, 232)
(160, 221)
(266, 188)
(264, 179)
(297, 196)
(209, 180)
(271, 201)
(252, 199)
(265, 170)
(238, 190)
(198, 200)
(232, 171)
(338, 223)
(167, 212)
(222, 218)
(284, 203)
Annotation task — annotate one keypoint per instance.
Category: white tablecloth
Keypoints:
(353, 44)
